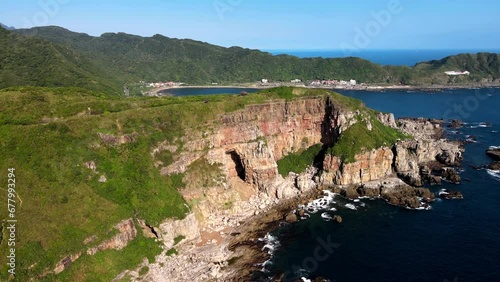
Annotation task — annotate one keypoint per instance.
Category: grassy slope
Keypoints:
(48, 134)
(358, 138)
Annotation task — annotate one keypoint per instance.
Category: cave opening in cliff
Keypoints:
(238, 165)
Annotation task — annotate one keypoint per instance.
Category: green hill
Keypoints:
(59, 57)
(482, 66)
(155, 58)
(37, 62)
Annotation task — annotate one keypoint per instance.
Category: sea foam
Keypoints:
(494, 173)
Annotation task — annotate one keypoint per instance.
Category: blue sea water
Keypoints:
(206, 91)
(383, 57)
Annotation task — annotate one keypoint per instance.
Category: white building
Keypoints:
(264, 80)
(296, 81)
(457, 72)
(352, 82)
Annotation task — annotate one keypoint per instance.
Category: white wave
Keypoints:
(272, 243)
(494, 131)
(326, 216)
(357, 200)
(333, 209)
(350, 206)
(305, 279)
(443, 192)
(494, 173)
(322, 203)
(494, 148)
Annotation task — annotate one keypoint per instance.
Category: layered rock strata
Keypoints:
(246, 146)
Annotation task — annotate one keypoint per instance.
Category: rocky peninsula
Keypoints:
(245, 196)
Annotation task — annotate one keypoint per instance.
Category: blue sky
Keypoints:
(273, 24)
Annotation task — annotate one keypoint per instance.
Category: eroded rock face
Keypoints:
(118, 140)
(368, 166)
(247, 145)
(387, 119)
(126, 233)
(170, 229)
(66, 262)
(413, 155)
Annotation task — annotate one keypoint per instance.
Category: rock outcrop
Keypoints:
(246, 146)
(494, 153)
(126, 233)
(494, 166)
(369, 166)
(170, 229)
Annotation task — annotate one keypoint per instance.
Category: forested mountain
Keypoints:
(59, 57)
(37, 62)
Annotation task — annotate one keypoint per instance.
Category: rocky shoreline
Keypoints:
(220, 239)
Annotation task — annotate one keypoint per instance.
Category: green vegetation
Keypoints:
(359, 138)
(48, 134)
(105, 266)
(171, 252)
(59, 57)
(178, 239)
(203, 174)
(299, 161)
(34, 61)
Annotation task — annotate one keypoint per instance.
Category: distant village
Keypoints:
(314, 83)
(161, 84)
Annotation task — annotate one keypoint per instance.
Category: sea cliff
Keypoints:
(247, 195)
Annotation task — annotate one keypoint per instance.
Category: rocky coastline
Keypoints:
(221, 235)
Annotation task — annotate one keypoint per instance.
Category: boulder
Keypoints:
(451, 175)
(494, 166)
(456, 124)
(494, 153)
(433, 180)
(450, 194)
(337, 218)
(411, 178)
(291, 218)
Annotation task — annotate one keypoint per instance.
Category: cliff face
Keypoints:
(248, 143)
(245, 147)
(369, 166)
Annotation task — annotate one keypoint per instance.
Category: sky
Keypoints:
(277, 24)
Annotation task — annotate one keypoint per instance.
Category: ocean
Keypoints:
(383, 57)
(457, 240)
